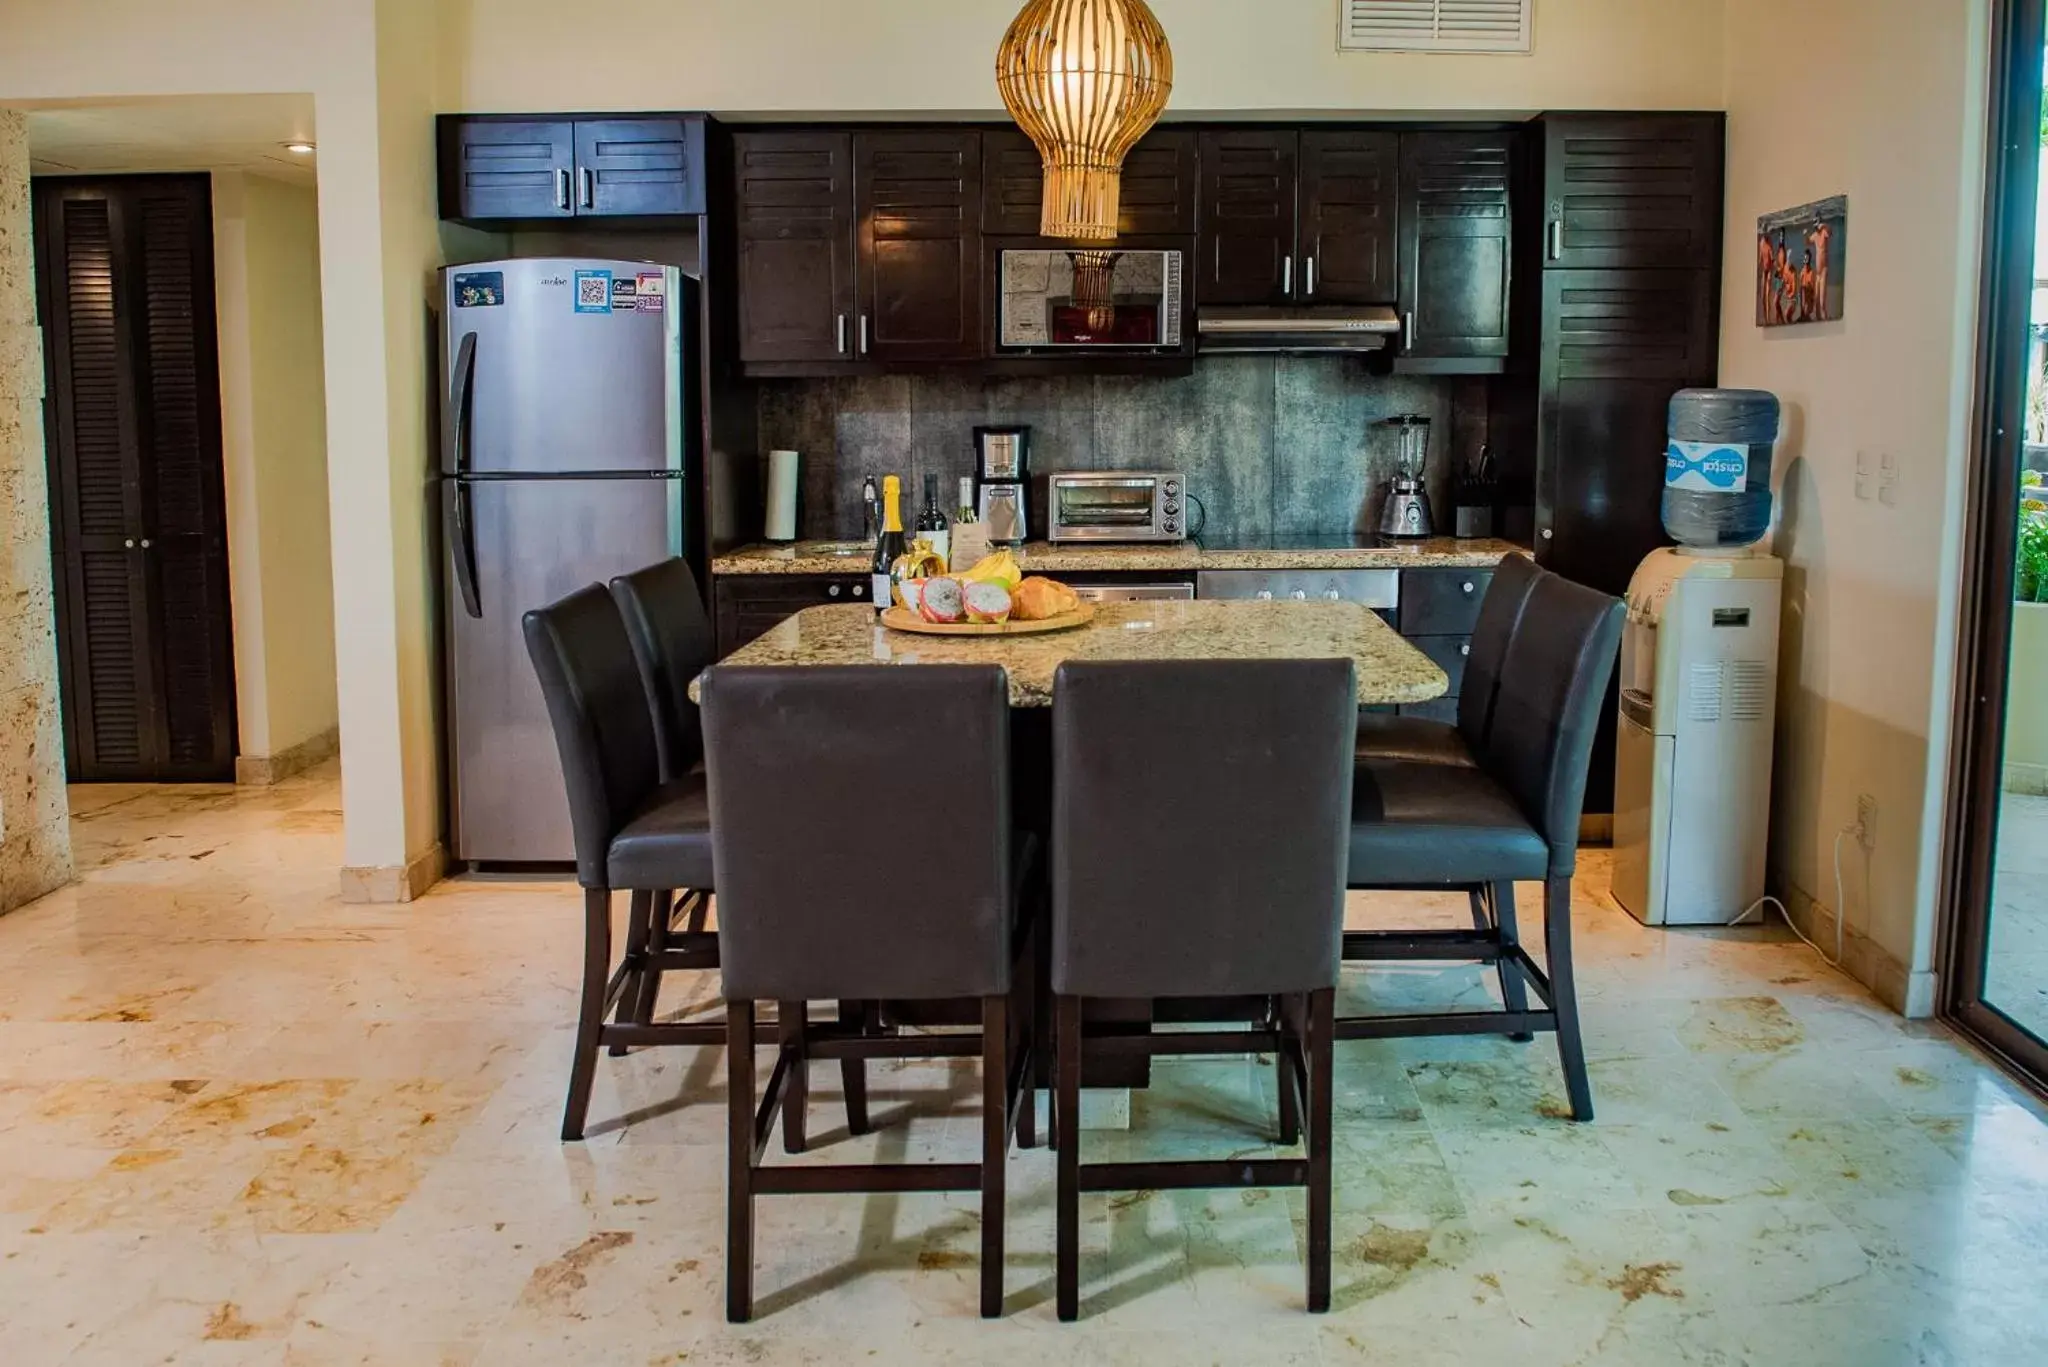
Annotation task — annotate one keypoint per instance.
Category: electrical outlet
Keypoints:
(1866, 821)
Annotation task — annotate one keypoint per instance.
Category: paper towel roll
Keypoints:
(782, 482)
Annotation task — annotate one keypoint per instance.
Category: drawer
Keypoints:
(1449, 654)
(1441, 602)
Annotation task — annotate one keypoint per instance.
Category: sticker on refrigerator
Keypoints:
(1707, 467)
(624, 292)
(593, 291)
(479, 289)
(651, 286)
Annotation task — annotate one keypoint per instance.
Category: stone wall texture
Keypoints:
(35, 838)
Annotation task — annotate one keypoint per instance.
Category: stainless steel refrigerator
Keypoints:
(567, 435)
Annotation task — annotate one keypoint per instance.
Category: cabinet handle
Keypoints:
(1557, 239)
(1547, 533)
(1408, 331)
(589, 181)
(863, 334)
(145, 543)
(1310, 268)
(860, 590)
(1287, 275)
(129, 543)
(831, 590)
(839, 334)
(562, 188)
(1468, 586)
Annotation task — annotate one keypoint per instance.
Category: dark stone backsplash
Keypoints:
(1269, 444)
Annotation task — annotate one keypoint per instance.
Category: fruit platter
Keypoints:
(992, 598)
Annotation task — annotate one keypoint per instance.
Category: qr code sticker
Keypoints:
(593, 291)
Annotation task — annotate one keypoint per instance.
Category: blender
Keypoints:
(1406, 510)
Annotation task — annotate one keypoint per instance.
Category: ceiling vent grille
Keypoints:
(1434, 25)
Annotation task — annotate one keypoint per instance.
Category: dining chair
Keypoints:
(832, 886)
(1514, 816)
(1200, 820)
(633, 831)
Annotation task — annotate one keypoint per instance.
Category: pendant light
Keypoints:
(1084, 79)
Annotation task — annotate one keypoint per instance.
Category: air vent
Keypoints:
(1703, 693)
(1749, 690)
(1434, 25)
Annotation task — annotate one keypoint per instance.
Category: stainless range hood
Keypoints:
(1227, 331)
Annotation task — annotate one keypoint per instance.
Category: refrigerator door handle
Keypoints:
(462, 546)
(455, 456)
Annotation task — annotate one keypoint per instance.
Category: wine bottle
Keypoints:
(968, 512)
(870, 509)
(889, 544)
(931, 523)
(969, 539)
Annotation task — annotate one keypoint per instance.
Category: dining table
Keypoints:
(1389, 670)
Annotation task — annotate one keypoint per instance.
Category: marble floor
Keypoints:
(243, 1123)
(2016, 961)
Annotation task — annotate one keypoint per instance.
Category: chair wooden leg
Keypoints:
(1024, 1026)
(995, 1147)
(1290, 1112)
(1514, 991)
(1067, 1083)
(597, 964)
(739, 1149)
(639, 916)
(1557, 940)
(853, 1072)
(796, 1099)
(1318, 1045)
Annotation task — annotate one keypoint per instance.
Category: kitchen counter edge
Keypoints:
(1039, 557)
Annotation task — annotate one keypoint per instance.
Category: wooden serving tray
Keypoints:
(900, 618)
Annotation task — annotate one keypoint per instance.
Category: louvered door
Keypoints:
(125, 273)
(917, 215)
(1632, 190)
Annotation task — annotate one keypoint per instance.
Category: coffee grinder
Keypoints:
(1002, 472)
(1406, 510)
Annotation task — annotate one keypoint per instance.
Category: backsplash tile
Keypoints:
(1283, 444)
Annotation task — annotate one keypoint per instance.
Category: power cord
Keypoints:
(1841, 907)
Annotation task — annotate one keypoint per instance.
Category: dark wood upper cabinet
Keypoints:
(1631, 191)
(917, 209)
(1157, 199)
(1455, 233)
(1349, 211)
(1246, 243)
(794, 198)
(513, 170)
(640, 166)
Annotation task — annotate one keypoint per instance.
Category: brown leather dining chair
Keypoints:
(812, 847)
(1512, 816)
(1200, 819)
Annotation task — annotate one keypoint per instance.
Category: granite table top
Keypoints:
(1042, 557)
(1389, 669)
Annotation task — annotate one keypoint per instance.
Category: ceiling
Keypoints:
(185, 133)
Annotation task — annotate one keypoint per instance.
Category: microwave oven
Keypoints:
(1102, 300)
(1116, 505)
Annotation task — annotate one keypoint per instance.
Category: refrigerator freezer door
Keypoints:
(562, 366)
(534, 541)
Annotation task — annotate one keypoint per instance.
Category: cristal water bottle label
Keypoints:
(1707, 467)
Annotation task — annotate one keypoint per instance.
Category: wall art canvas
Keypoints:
(1802, 259)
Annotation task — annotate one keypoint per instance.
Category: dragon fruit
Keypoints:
(940, 600)
(985, 601)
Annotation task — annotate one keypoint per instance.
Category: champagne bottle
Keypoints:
(931, 522)
(889, 544)
(967, 511)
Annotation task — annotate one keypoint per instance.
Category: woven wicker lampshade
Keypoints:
(1084, 79)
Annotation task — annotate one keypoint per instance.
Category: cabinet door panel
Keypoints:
(1157, 198)
(794, 197)
(1626, 191)
(640, 166)
(1246, 242)
(917, 200)
(1455, 232)
(493, 169)
(1348, 217)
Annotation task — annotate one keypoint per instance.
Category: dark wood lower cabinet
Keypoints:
(747, 606)
(124, 274)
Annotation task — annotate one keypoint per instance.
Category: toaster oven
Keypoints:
(1116, 505)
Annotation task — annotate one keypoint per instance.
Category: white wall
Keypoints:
(1882, 100)
(939, 56)
(274, 410)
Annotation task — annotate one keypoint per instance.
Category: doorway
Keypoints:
(1996, 972)
(125, 289)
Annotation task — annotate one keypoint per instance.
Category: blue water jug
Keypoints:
(1717, 467)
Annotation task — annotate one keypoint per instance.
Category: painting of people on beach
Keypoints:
(1802, 258)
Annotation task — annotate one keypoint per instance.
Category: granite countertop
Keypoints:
(1040, 557)
(1389, 669)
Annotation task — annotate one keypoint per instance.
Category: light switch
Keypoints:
(1863, 475)
(1888, 480)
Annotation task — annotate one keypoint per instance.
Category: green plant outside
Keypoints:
(2032, 580)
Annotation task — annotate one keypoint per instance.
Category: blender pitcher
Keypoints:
(1406, 510)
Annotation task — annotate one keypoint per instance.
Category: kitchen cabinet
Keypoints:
(747, 606)
(857, 248)
(793, 193)
(1456, 226)
(510, 170)
(1439, 609)
(1157, 199)
(1291, 216)
(1628, 191)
